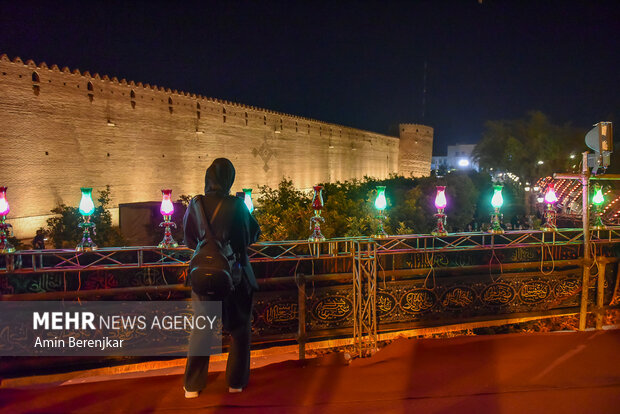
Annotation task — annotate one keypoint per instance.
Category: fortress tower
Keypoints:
(415, 150)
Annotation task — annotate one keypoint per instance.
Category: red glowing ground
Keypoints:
(517, 373)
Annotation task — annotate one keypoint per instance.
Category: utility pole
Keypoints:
(584, 178)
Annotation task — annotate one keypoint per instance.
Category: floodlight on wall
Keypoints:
(86, 208)
(167, 209)
(463, 162)
(5, 228)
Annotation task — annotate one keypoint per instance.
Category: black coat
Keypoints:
(233, 222)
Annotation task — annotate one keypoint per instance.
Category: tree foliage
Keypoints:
(517, 145)
(284, 212)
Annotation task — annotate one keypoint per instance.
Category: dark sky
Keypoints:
(354, 63)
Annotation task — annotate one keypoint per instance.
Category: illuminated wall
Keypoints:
(64, 129)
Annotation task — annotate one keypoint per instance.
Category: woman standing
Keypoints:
(233, 223)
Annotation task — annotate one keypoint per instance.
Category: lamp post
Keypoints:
(598, 199)
(166, 209)
(440, 204)
(87, 208)
(5, 245)
(550, 214)
(496, 202)
(247, 199)
(380, 205)
(316, 220)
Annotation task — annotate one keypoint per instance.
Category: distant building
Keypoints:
(459, 158)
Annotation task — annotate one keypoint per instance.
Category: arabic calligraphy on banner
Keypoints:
(280, 313)
(418, 300)
(458, 297)
(567, 287)
(385, 303)
(534, 291)
(332, 308)
(498, 294)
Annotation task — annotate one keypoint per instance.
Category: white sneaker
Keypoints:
(191, 394)
(233, 390)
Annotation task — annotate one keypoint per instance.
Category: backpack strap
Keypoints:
(210, 231)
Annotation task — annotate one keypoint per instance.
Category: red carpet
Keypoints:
(519, 373)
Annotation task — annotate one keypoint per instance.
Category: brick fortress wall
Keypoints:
(64, 129)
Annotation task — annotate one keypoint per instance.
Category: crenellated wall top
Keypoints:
(123, 82)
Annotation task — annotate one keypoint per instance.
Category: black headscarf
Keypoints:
(220, 176)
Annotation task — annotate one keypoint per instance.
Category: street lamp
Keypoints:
(496, 201)
(380, 205)
(440, 204)
(86, 208)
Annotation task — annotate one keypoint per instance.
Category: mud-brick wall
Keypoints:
(63, 129)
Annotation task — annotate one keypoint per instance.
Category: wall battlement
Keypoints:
(64, 129)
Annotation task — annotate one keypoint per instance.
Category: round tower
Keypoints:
(415, 150)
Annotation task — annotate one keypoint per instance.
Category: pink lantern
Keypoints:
(440, 204)
(5, 228)
(440, 198)
(167, 208)
(4, 205)
(550, 196)
(550, 213)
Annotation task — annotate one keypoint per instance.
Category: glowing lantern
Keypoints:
(598, 201)
(440, 204)
(380, 201)
(381, 204)
(5, 245)
(550, 214)
(247, 199)
(496, 201)
(440, 198)
(4, 205)
(316, 220)
(550, 196)
(86, 208)
(166, 209)
(598, 198)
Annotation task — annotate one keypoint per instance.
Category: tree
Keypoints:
(518, 145)
(529, 148)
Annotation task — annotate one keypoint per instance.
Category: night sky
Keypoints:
(359, 64)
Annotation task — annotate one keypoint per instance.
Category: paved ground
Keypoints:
(518, 373)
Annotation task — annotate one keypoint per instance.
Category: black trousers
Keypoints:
(236, 316)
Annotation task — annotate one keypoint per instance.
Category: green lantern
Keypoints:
(598, 199)
(497, 201)
(87, 208)
(381, 204)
